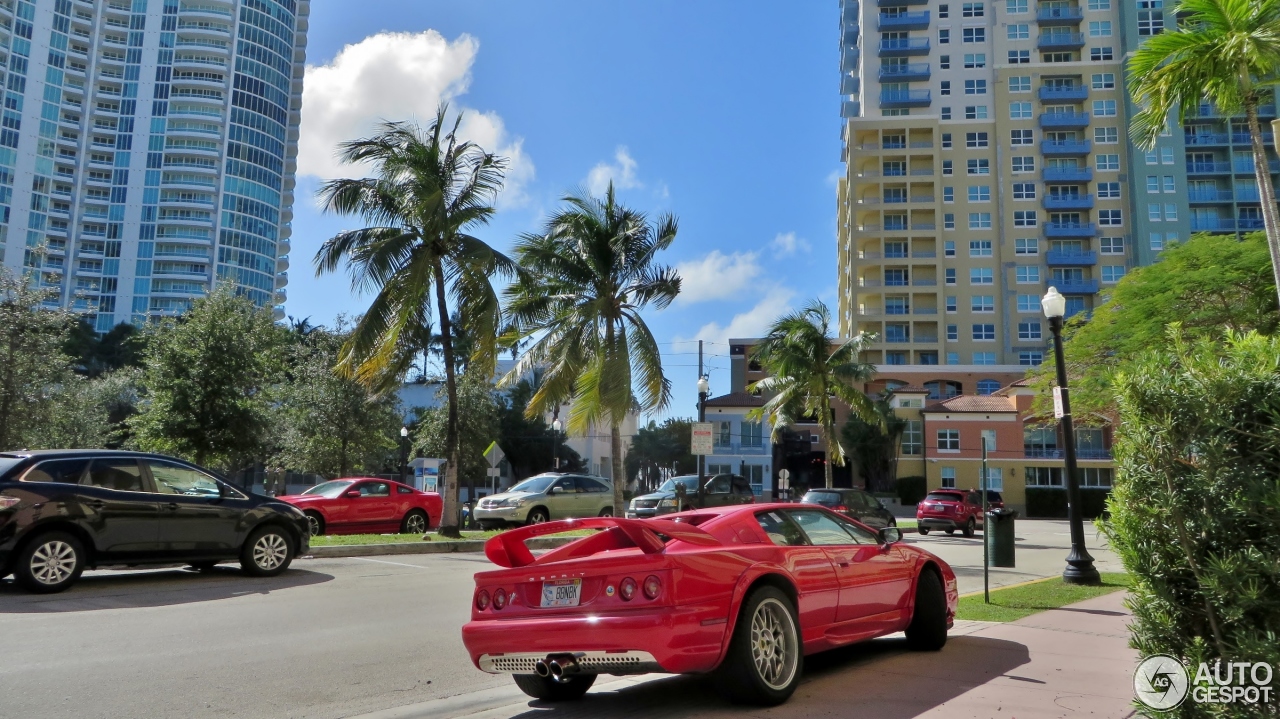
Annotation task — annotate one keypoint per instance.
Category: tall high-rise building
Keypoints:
(987, 158)
(148, 149)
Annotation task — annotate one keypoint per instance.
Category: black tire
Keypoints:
(606, 512)
(949, 532)
(49, 563)
(316, 523)
(415, 522)
(923, 530)
(202, 566)
(538, 515)
(928, 629)
(968, 527)
(267, 552)
(549, 690)
(738, 678)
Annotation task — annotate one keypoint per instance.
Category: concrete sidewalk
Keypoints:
(1066, 662)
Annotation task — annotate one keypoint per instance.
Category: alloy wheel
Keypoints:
(53, 562)
(415, 524)
(774, 648)
(270, 551)
(313, 524)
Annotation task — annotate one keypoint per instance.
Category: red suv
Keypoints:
(952, 509)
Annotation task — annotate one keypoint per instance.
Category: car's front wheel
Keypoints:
(606, 512)
(968, 527)
(51, 563)
(267, 552)
(315, 523)
(923, 530)
(765, 658)
(538, 516)
(550, 690)
(415, 522)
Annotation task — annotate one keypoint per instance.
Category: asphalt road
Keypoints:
(330, 638)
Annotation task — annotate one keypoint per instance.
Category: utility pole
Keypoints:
(702, 417)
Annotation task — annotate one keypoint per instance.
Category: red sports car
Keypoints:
(364, 505)
(742, 592)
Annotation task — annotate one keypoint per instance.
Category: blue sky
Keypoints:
(724, 113)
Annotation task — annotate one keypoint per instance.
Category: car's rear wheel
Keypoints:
(765, 658)
(949, 531)
(606, 512)
(923, 530)
(928, 629)
(550, 690)
(538, 516)
(51, 563)
(267, 552)
(315, 523)
(203, 566)
(415, 522)
(968, 527)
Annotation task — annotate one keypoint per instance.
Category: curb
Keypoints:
(433, 547)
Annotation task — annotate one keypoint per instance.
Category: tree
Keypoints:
(331, 424)
(805, 374)
(531, 445)
(1227, 51)
(657, 447)
(208, 376)
(428, 190)
(586, 279)
(874, 446)
(478, 407)
(122, 346)
(90, 413)
(1212, 285)
(32, 364)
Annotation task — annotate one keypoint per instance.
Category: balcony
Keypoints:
(850, 109)
(915, 72)
(1207, 139)
(1067, 174)
(1075, 287)
(1064, 120)
(1243, 138)
(1070, 258)
(759, 447)
(1225, 224)
(1063, 148)
(904, 98)
(904, 21)
(1060, 41)
(1064, 93)
(1070, 229)
(1208, 168)
(1068, 202)
(1052, 16)
(896, 3)
(904, 47)
(1247, 167)
(1201, 196)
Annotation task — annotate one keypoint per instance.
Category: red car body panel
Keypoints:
(369, 514)
(713, 558)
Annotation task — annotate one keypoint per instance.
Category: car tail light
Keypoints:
(627, 589)
(500, 599)
(482, 600)
(840, 508)
(652, 586)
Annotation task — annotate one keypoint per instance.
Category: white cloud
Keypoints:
(622, 172)
(752, 323)
(717, 276)
(786, 244)
(398, 76)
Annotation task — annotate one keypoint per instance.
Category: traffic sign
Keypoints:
(783, 476)
(494, 454)
(702, 441)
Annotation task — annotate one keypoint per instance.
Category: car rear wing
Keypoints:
(508, 549)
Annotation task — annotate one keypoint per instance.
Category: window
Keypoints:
(1104, 81)
(1100, 54)
(1096, 5)
(1150, 17)
(975, 112)
(1166, 156)
(913, 437)
(989, 440)
(980, 248)
(944, 37)
(1028, 303)
(1097, 477)
(948, 194)
(988, 386)
(950, 275)
(979, 166)
(1044, 476)
(1022, 137)
(979, 220)
(723, 434)
(1020, 83)
(173, 478)
(1153, 211)
(1030, 358)
(982, 303)
(781, 530)
(123, 475)
(1028, 246)
(1104, 108)
(1029, 331)
(949, 440)
(995, 475)
(944, 62)
(62, 471)
(946, 88)
(1019, 111)
(1151, 157)
(1108, 190)
(1108, 162)
(1112, 273)
(953, 358)
(1014, 7)
(1170, 212)
(975, 60)
(1019, 57)
(1027, 275)
(946, 112)
(975, 34)
(944, 11)
(1025, 218)
(984, 358)
(948, 221)
(981, 276)
(1110, 218)
(972, 9)
(949, 473)
(1111, 245)
(984, 332)
(1099, 28)
(1024, 190)
(953, 333)
(1024, 163)
(951, 304)
(1153, 184)
(1106, 135)
(947, 170)
(980, 193)
(1157, 241)
(975, 139)
(946, 142)
(1169, 185)
(1019, 32)
(949, 248)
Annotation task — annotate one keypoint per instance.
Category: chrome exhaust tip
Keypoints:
(541, 669)
(562, 668)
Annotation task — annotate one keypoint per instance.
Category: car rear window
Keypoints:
(942, 497)
(65, 471)
(826, 499)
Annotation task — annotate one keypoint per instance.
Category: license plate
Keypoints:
(562, 593)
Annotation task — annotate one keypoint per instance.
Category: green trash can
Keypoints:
(999, 528)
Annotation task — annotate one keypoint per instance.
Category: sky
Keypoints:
(725, 114)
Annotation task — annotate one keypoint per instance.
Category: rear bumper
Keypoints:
(590, 662)
(937, 523)
(642, 513)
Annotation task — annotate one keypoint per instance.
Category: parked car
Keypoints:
(741, 592)
(544, 497)
(853, 503)
(720, 490)
(362, 505)
(949, 510)
(62, 511)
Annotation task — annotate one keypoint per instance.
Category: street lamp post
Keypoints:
(555, 442)
(1080, 569)
(704, 389)
(404, 453)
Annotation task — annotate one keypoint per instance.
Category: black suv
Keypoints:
(64, 510)
(720, 490)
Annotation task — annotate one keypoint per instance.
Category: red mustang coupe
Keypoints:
(742, 592)
(367, 506)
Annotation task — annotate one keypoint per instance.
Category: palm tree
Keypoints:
(429, 188)
(805, 374)
(586, 279)
(1227, 51)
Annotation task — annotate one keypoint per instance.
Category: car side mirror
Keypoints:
(353, 493)
(557, 490)
(890, 535)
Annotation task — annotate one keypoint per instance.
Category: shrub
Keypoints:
(911, 490)
(1195, 512)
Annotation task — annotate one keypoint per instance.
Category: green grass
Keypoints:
(1018, 602)
(906, 523)
(347, 540)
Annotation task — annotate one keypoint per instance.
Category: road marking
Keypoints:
(398, 564)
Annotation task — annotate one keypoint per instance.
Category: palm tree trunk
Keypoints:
(1262, 171)
(619, 475)
(449, 520)
(829, 430)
